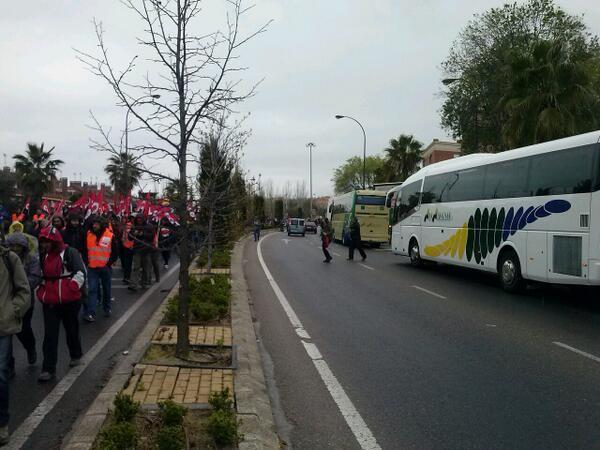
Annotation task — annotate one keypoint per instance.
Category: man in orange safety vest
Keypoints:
(101, 251)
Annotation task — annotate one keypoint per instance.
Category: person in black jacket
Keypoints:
(355, 240)
(142, 235)
(75, 233)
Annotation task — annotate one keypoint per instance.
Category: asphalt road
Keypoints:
(436, 357)
(26, 393)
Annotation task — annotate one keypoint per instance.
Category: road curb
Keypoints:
(252, 398)
(86, 428)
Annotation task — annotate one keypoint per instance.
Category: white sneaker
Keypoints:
(166, 267)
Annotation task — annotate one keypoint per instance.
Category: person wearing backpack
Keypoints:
(63, 279)
(14, 303)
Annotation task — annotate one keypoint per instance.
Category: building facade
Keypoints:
(440, 151)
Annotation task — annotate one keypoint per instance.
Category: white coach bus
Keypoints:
(530, 213)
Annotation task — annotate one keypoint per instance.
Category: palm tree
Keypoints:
(551, 94)
(402, 158)
(36, 170)
(124, 171)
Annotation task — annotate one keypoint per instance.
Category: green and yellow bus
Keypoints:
(369, 207)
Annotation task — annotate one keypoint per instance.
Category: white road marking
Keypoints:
(492, 325)
(357, 425)
(336, 253)
(21, 434)
(366, 267)
(429, 292)
(580, 352)
(287, 241)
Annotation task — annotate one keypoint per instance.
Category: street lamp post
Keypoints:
(339, 116)
(310, 147)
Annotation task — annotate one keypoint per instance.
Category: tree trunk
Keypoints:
(210, 237)
(183, 343)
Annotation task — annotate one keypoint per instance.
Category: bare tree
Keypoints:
(193, 79)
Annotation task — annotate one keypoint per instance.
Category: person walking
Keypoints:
(165, 240)
(101, 251)
(355, 240)
(15, 300)
(256, 228)
(63, 279)
(155, 252)
(18, 243)
(75, 234)
(126, 252)
(142, 235)
(326, 239)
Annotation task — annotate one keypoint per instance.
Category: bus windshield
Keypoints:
(370, 200)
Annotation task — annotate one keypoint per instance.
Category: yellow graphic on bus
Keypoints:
(455, 245)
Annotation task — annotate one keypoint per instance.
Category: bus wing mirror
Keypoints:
(388, 201)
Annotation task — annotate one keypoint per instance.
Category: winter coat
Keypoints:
(14, 293)
(30, 260)
(142, 235)
(355, 231)
(63, 277)
(75, 237)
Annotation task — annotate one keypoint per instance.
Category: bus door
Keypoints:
(409, 215)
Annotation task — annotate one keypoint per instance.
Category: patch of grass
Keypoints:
(221, 258)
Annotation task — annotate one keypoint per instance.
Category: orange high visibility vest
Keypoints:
(127, 242)
(99, 250)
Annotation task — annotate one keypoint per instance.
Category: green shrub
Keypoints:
(222, 426)
(171, 413)
(171, 438)
(209, 299)
(118, 436)
(204, 311)
(125, 408)
(220, 401)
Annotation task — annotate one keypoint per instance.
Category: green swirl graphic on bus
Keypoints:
(485, 231)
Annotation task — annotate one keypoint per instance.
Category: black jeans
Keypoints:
(356, 244)
(326, 252)
(154, 259)
(126, 262)
(67, 313)
(166, 255)
(5, 358)
(25, 336)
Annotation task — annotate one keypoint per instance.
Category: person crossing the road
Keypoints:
(14, 302)
(63, 280)
(326, 240)
(355, 240)
(101, 251)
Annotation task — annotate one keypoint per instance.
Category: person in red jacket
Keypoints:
(63, 278)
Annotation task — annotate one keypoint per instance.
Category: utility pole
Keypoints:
(310, 147)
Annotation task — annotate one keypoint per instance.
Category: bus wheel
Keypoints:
(415, 254)
(509, 269)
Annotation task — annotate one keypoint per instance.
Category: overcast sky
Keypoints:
(376, 60)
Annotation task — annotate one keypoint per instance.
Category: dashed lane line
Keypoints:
(29, 425)
(357, 425)
(579, 352)
(366, 267)
(435, 294)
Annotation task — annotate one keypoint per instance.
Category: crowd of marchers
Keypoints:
(66, 265)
